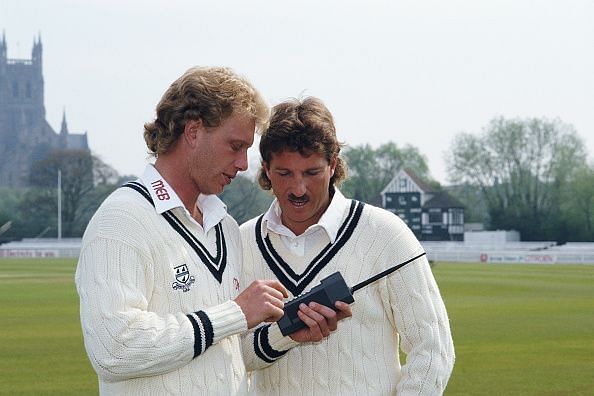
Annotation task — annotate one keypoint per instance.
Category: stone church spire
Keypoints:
(36, 53)
(64, 128)
(3, 46)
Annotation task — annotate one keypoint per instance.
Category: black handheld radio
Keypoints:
(331, 289)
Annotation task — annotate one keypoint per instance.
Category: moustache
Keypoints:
(294, 198)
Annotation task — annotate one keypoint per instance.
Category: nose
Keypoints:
(241, 163)
(299, 188)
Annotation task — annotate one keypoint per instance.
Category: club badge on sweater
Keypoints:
(183, 279)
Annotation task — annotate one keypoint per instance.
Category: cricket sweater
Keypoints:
(404, 310)
(156, 296)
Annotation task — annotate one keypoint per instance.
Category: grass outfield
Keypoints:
(41, 346)
(518, 329)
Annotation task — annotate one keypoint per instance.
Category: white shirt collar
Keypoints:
(165, 198)
(213, 210)
(329, 222)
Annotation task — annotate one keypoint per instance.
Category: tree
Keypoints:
(104, 174)
(370, 170)
(579, 203)
(36, 215)
(106, 179)
(245, 199)
(521, 167)
(9, 220)
(76, 168)
(475, 208)
(86, 182)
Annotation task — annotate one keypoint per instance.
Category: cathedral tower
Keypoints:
(25, 135)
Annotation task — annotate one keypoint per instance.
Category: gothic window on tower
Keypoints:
(28, 91)
(15, 89)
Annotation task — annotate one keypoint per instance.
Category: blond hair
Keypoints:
(210, 94)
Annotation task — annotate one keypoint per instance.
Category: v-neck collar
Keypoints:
(215, 264)
(293, 281)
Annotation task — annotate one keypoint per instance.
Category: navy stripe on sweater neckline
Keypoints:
(294, 282)
(215, 264)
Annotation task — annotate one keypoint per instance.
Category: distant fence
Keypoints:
(40, 248)
(514, 252)
(511, 252)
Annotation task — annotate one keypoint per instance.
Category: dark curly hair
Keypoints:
(305, 126)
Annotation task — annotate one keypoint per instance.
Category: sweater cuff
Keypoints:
(226, 319)
(262, 345)
(215, 323)
(278, 341)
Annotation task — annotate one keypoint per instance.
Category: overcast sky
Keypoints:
(413, 72)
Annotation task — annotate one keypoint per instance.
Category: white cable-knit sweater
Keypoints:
(155, 318)
(404, 310)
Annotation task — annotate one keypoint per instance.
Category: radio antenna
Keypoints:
(382, 274)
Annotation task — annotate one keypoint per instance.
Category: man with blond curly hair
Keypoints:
(159, 270)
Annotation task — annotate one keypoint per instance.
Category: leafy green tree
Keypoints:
(475, 208)
(104, 174)
(521, 166)
(579, 203)
(85, 180)
(10, 223)
(245, 199)
(37, 214)
(76, 168)
(106, 180)
(370, 170)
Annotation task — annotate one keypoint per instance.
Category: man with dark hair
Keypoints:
(311, 231)
(159, 270)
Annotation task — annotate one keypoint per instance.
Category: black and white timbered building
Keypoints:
(431, 215)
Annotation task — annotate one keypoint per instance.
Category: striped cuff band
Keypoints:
(203, 333)
(262, 346)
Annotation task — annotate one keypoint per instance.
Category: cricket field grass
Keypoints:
(518, 329)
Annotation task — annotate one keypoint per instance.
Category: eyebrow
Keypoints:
(241, 142)
(305, 170)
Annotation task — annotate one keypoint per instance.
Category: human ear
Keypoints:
(192, 131)
(333, 165)
(266, 167)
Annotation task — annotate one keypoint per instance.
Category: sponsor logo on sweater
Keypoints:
(160, 190)
(183, 279)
